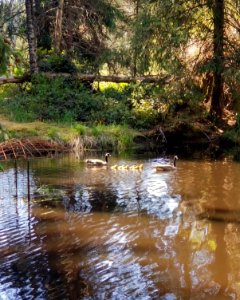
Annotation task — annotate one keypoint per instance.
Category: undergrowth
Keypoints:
(66, 100)
(102, 115)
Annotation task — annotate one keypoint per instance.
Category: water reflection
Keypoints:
(71, 232)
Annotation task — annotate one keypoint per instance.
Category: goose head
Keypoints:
(106, 157)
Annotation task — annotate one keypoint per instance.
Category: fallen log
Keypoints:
(164, 79)
(12, 79)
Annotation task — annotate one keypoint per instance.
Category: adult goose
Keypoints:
(97, 162)
(167, 167)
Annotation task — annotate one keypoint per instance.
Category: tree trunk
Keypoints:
(135, 50)
(43, 34)
(58, 26)
(218, 58)
(32, 41)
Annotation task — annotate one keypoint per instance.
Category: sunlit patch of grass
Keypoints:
(102, 86)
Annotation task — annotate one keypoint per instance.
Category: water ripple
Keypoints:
(102, 234)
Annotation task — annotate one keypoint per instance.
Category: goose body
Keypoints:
(167, 167)
(97, 162)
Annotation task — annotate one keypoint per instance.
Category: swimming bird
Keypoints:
(114, 167)
(123, 167)
(97, 162)
(136, 167)
(167, 167)
(120, 167)
(127, 167)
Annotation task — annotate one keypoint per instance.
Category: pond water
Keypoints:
(72, 232)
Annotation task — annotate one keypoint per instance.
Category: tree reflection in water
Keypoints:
(72, 233)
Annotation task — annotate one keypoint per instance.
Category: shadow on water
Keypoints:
(72, 232)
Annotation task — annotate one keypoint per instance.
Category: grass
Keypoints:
(37, 128)
(116, 137)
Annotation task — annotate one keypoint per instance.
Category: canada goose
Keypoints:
(167, 167)
(97, 162)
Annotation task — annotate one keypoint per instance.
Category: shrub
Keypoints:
(67, 100)
(52, 62)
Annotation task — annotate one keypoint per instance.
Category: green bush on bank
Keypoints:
(66, 100)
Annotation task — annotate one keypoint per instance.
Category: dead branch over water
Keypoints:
(27, 148)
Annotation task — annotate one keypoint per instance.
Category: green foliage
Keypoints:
(4, 134)
(66, 100)
(232, 137)
(11, 59)
(125, 141)
(95, 131)
(80, 129)
(117, 136)
(237, 126)
(52, 133)
(51, 62)
(161, 30)
(5, 52)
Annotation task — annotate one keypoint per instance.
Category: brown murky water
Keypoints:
(71, 232)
